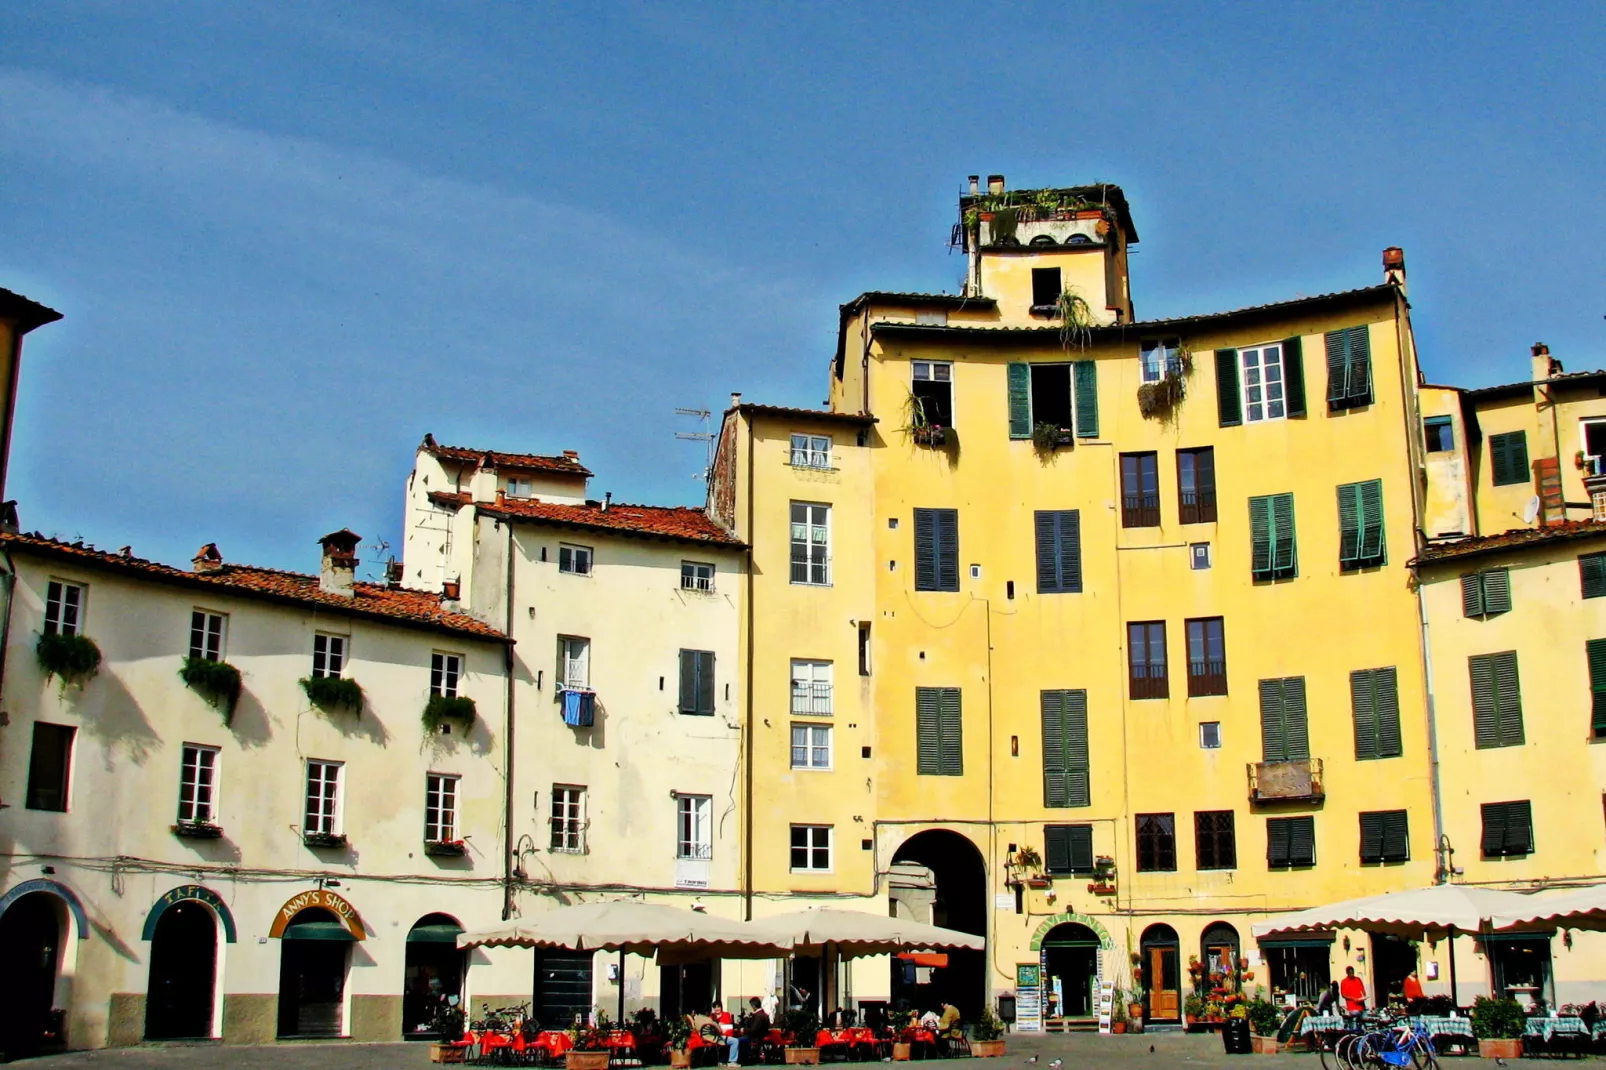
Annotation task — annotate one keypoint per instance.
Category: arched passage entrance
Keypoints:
(1218, 957)
(183, 975)
(1070, 953)
(939, 877)
(1162, 973)
(434, 973)
(33, 929)
(313, 956)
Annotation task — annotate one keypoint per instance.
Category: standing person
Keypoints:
(754, 1031)
(1329, 1003)
(1353, 989)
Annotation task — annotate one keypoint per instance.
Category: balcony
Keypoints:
(1140, 510)
(811, 699)
(1295, 781)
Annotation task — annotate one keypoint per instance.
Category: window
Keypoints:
(811, 451)
(1263, 384)
(1051, 397)
(328, 654)
(936, 549)
(568, 819)
(696, 576)
(197, 784)
(1210, 735)
(697, 682)
(1360, 525)
(323, 798)
(811, 688)
(811, 746)
(1592, 575)
(811, 848)
(1062, 396)
(1198, 555)
(1273, 555)
(444, 672)
(1375, 699)
(574, 663)
(575, 560)
(1349, 368)
(1290, 842)
(1595, 650)
(1046, 287)
(1508, 458)
(519, 488)
(1067, 776)
(1207, 657)
(1140, 490)
(1439, 433)
(938, 732)
(1215, 839)
(811, 543)
(1145, 646)
(1160, 358)
(440, 807)
(1385, 836)
(1284, 733)
(1496, 700)
(50, 766)
(1196, 486)
(864, 648)
(1157, 843)
(207, 631)
(1068, 849)
(694, 826)
(933, 392)
(1593, 433)
(1059, 551)
(1487, 593)
(1508, 829)
(64, 608)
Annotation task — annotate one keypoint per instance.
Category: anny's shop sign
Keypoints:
(320, 899)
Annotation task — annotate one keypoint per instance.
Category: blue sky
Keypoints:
(291, 238)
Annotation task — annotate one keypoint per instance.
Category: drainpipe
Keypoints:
(508, 663)
(1441, 868)
(9, 580)
(747, 758)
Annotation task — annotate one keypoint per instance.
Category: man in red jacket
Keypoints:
(1353, 989)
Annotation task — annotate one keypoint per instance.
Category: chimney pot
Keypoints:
(393, 573)
(607, 500)
(575, 454)
(995, 183)
(975, 185)
(1540, 349)
(451, 589)
(207, 559)
(1544, 365)
(337, 573)
(736, 399)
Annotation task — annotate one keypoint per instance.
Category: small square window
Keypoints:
(696, 576)
(1199, 555)
(1439, 431)
(1210, 735)
(575, 560)
(208, 632)
(520, 488)
(444, 672)
(64, 608)
(328, 655)
(1045, 287)
(811, 848)
(811, 451)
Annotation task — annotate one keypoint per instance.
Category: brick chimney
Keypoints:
(207, 559)
(1544, 365)
(995, 184)
(338, 573)
(1394, 266)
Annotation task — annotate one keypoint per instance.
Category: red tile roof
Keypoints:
(860, 419)
(1515, 539)
(677, 523)
(395, 605)
(568, 464)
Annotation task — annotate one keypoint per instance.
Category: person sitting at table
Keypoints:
(948, 1024)
(755, 1030)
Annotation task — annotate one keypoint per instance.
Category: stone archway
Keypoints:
(957, 876)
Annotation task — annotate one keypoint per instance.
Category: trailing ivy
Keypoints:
(216, 681)
(442, 707)
(333, 692)
(1076, 319)
(74, 658)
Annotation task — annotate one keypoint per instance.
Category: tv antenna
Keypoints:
(705, 436)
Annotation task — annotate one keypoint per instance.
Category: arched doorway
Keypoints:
(1161, 974)
(939, 877)
(183, 975)
(434, 974)
(1218, 958)
(313, 954)
(32, 931)
(1070, 954)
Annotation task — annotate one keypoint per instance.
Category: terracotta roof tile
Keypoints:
(861, 419)
(1515, 539)
(398, 605)
(679, 523)
(564, 463)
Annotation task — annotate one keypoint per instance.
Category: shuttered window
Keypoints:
(1196, 486)
(697, 682)
(1068, 849)
(1229, 394)
(1496, 700)
(1508, 829)
(1592, 575)
(1508, 458)
(1290, 842)
(936, 549)
(1596, 649)
(1077, 386)
(1066, 764)
(1157, 843)
(1294, 375)
(938, 735)
(1215, 839)
(1087, 398)
(1140, 490)
(1020, 400)
(1375, 699)
(1487, 593)
(1059, 551)
(1349, 368)
(1284, 732)
(1272, 552)
(1385, 836)
(1360, 525)
(1145, 647)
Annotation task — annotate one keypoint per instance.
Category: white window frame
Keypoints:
(64, 606)
(445, 673)
(818, 553)
(934, 371)
(209, 634)
(516, 487)
(1204, 737)
(568, 819)
(810, 451)
(575, 560)
(329, 654)
(1593, 465)
(441, 792)
(812, 690)
(694, 827)
(814, 833)
(812, 744)
(574, 663)
(1262, 389)
(325, 797)
(1159, 356)
(198, 784)
(697, 576)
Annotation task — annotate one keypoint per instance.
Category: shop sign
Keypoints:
(319, 898)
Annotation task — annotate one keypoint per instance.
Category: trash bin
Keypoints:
(1006, 1009)
(1235, 1036)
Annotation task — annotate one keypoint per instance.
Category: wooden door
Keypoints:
(1165, 998)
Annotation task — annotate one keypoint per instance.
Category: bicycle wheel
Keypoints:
(1423, 1057)
(1341, 1050)
(1325, 1043)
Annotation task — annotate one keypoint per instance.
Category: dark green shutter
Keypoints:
(1349, 523)
(1592, 575)
(1371, 503)
(1519, 828)
(1508, 458)
(1057, 848)
(1284, 554)
(1496, 591)
(1295, 718)
(1273, 729)
(1485, 719)
(1472, 595)
(1494, 829)
(952, 728)
(688, 681)
(1070, 550)
(1045, 523)
(925, 550)
(1337, 368)
(1294, 376)
(1302, 841)
(1363, 702)
(947, 549)
(705, 681)
(1228, 399)
(1496, 700)
(1596, 649)
(1052, 703)
(1087, 399)
(1386, 695)
(1372, 837)
(1277, 842)
(1508, 698)
(1360, 365)
(928, 742)
(1081, 843)
(1020, 400)
(1078, 766)
(1260, 537)
(1396, 836)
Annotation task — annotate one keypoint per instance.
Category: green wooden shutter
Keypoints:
(1020, 400)
(1087, 399)
(1260, 537)
(1285, 558)
(1496, 591)
(1273, 729)
(1508, 698)
(1229, 404)
(947, 549)
(1294, 375)
(1472, 595)
(1337, 369)
(1372, 837)
(1371, 507)
(1360, 365)
(1277, 842)
(1081, 844)
(1045, 523)
(1057, 849)
(925, 550)
(1592, 575)
(1053, 710)
(1295, 719)
(1596, 650)
(1508, 458)
(1363, 703)
(1396, 836)
(1519, 828)
(1302, 841)
(1494, 829)
(1070, 549)
(688, 681)
(928, 742)
(1078, 766)
(1386, 696)
(1485, 719)
(952, 729)
(705, 682)
(1349, 524)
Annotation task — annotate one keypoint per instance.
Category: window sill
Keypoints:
(812, 769)
(197, 830)
(1051, 312)
(813, 872)
(327, 841)
(812, 467)
(807, 583)
(695, 713)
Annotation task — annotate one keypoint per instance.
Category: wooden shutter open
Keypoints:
(1057, 849)
(952, 732)
(1370, 496)
(1472, 595)
(1229, 403)
(1349, 523)
(1592, 575)
(1052, 706)
(1596, 651)
(1294, 376)
(1087, 398)
(1363, 704)
(1284, 554)
(1260, 537)
(1337, 368)
(1360, 365)
(1020, 400)
(928, 741)
(1496, 591)
(947, 549)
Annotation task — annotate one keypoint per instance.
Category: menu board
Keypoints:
(1028, 998)
(1106, 1005)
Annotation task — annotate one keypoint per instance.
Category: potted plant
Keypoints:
(677, 1037)
(445, 848)
(330, 693)
(1194, 1009)
(1117, 1011)
(987, 1036)
(1263, 1021)
(216, 681)
(804, 1027)
(448, 1025)
(1134, 1007)
(74, 658)
(590, 1050)
(1498, 1024)
(197, 830)
(901, 1022)
(442, 707)
(324, 839)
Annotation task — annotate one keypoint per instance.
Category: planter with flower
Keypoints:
(804, 1027)
(677, 1041)
(902, 1023)
(987, 1036)
(590, 1050)
(1103, 876)
(1264, 1019)
(74, 658)
(1025, 867)
(1499, 1025)
(445, 848)
(197, 830)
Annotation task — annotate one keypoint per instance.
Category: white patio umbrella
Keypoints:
(853, 933)
(1577, 908)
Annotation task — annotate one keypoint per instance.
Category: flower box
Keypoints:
(802, 1056)
(1263, 1045)
(197, 830)
(445, 848)
(986, 1049)
(448, 1053)
(1101, 889)
(680, 1060)
(931, 436)
(324, 839)
(586, 1060)
(902, 1052)
(1504, 1048)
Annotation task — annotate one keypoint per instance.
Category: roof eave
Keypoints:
(25, 312)
(734, 546)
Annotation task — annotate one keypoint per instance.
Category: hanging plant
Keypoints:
(74, 658)
(333, 692)
(1048, 437)
(443, 707)
(1076, 319)
(1161, 397)
(216, 681)
(919, 427)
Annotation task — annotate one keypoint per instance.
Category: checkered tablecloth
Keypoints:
(1322, 1023)
(1443, 1026)
(1550, 1027)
